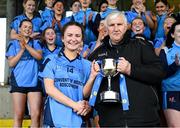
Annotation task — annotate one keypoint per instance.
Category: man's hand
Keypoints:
(124, 66)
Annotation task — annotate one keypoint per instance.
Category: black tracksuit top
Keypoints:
(146, 74)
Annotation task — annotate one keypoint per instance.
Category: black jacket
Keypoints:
(146, 72)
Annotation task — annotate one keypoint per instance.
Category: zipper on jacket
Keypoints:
(155, 94)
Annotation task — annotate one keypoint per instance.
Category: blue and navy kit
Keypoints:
(79, 17)
(47, 14)
(25, 73)
(46, 51)
(159, 41)
(172, 83)
(107, 12)
(57, 27)
(36, 21)
(89, 47)
(69, 78)
(160, 26)
(131, 15)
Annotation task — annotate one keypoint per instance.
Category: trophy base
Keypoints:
(109, 96)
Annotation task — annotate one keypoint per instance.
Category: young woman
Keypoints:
(171, 85)
(29, 13)
(57, 21)
(83, 17)
(48, 42)
(74, 8)
(103, 6)
(88, 49)
(161, 9)
(68, 80)
(161, 42)
(48, 11)
(22, 58)
(138, 9)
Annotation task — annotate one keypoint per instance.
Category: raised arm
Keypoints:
(88, 86)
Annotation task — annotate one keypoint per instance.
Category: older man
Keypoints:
(139, 71)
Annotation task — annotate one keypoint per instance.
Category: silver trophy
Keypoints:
(108, 69)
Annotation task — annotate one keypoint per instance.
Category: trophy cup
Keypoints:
(108, 69)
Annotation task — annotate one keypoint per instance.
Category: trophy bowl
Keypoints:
(108, 68)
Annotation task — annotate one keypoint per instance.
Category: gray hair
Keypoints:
(114, 15)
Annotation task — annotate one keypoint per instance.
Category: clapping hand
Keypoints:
(22, 42)
(177, 61)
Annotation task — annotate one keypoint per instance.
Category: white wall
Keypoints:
(2, 50)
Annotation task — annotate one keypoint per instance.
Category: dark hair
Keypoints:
(74, 2)
(72, 23)
(43, 35)
(174, 26)
(170, 39)
(163, 1)
(25, 20)
(58, 1)
(102, 2)
(139, 19)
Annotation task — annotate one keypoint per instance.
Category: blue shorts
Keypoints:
(25, 90)
(171, 100)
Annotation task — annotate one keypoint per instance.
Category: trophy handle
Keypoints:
(99, 62)
(116, 60)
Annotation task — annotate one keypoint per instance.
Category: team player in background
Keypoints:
(48, 44)
(138, 9)
(88, 49)
(22, 58)
(161, 42)
(171, 85)
(83, 17)
(74, 8)
(68, 80)
(112, 6)
(47, 13)
(57, 21)
(29, 13)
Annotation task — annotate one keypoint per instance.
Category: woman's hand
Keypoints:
(79, 107)
(177, 61)
(86, 110)
(94, 69)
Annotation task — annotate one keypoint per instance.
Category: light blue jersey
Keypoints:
(160, 33)
(79, 17)
(25, 73)
(131, 15)
(107, 12)
(69, 78)
(172, 83)
(88, 48)
(47, 14)
(57, 27)
(46, 51)
(158, 42)
(36, 21)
